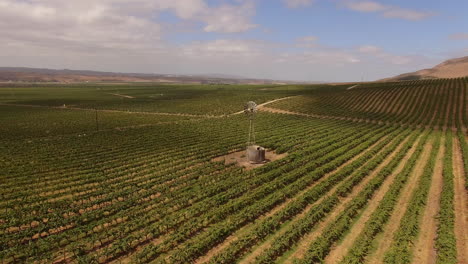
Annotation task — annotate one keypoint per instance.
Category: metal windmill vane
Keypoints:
(255, 153)
(250, 109)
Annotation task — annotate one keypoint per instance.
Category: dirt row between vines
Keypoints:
(394, 221)
(424, 248)
(261, 107)
(337, 253)
(460, 204)
(305, 242)
(215, 250)
(358, 120)
(259, 250)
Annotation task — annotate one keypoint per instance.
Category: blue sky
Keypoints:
(312, 40)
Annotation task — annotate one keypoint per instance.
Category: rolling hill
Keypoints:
(453, 68)
(22, 74)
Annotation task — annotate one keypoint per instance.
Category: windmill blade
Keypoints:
(250, 107)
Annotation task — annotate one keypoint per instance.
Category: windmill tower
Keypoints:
(255, 153)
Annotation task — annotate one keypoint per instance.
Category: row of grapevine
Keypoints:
(433, 103)
(263, 228)
(362, 245)
(401, 249)
(445, 241)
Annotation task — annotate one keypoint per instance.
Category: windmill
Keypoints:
(255, 153)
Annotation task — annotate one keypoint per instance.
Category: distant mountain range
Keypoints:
(20, 74)
(453, 68)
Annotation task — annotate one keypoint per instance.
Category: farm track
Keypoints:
(424, 248)
(105, 110)
(395, 219)
(122, 95)
(461, 204)
(261, 107)
(139, 112)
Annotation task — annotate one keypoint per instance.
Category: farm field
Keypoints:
(124, 173)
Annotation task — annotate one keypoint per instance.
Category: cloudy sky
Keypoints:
(313, 40)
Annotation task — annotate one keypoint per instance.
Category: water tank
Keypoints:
(255, 154)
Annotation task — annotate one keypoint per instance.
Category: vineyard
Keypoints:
(100, 173)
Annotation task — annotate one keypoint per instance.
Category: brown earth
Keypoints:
(122, 95)
(340, 250)
(240, 158)
(453, 68)
(259, 249)
(305, 242)
(395, 219)
(424, 248)
(460, 204)
(437, 106)
(236, 235)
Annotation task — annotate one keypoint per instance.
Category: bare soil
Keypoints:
(260, 106)
(240, 158)
(354, 86)
(396, 99)
(424, 249)
(376, 100)
(267, 243)
(401, 206)
(460, 204)
(122, 95)
(338, 252)
(309, 238)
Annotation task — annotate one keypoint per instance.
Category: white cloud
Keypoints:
(364, 6)
(380, 54)
(406, 14)
(128, 36)
(229, 19)
(327, 57)
(224, 48)
(459, 36)
(309, 39)
(308, 42)
(387, 11)
(131, 23)
(297, 3)
(370, 49)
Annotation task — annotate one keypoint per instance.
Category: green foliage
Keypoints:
(445, 241)
(144, 187)
(401, 250)
(432, 103)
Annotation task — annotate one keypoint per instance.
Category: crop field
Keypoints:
(124, 173)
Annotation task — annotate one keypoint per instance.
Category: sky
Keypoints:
(304, 40)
